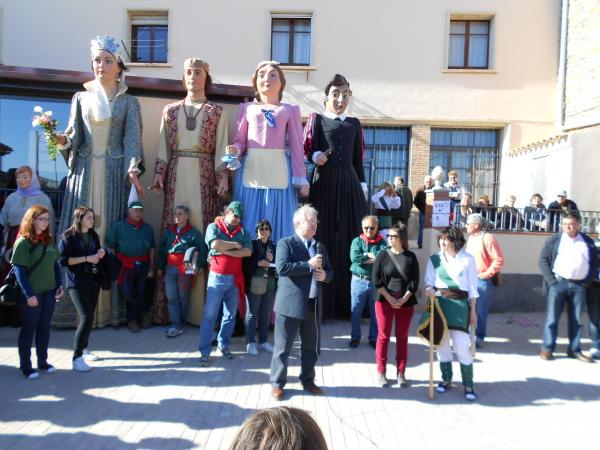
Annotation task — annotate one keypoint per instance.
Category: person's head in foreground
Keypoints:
(280, 428)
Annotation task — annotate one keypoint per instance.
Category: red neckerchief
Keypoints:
(184, 230)
(368, 240)
(222, 225)
(137, 225)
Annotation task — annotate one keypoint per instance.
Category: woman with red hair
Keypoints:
(37, 271)
(28, 193)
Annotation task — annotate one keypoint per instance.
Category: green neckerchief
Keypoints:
(441, 271)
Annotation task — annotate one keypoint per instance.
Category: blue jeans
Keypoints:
(361, 292)
(593, 310)
(35, 320)
(421, 227)
(177, 290)
(485, 289)
(258, 307)
(220, 289)
(575, 296)
(133, 288)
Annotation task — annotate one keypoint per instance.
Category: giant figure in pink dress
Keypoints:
(268, 142)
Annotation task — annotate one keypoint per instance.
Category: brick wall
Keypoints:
(582, 95)
(418, 165)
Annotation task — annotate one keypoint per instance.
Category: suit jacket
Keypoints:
(295, 278)
(550, 252)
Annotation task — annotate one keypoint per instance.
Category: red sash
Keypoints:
(127, 265)
(176, 259)
(230, 265)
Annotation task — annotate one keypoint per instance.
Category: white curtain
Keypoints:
(280, 47)
(302, 48)
(456, 51)
(478, 48)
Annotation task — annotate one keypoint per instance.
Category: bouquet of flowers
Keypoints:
(44, 119)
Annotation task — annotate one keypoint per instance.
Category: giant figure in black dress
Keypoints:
(334, 142)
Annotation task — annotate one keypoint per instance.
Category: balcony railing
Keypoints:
(526, 219)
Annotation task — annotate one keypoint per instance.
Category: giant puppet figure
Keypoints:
(193, 136)
(268, 142)
(102, 147)
(334, 142)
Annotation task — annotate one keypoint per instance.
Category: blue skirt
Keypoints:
(275, 205)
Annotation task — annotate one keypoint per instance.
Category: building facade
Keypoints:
(460, 83)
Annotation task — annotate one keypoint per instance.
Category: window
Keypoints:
(386, 154)
(149, 38)
(29, 145)
(468, 46)
(290, 41)
(472, 153)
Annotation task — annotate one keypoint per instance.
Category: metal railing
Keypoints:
(528, 219)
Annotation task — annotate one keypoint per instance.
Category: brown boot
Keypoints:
(147, 320)
(133, 326)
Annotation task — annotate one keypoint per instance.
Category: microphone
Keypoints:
(320, 250)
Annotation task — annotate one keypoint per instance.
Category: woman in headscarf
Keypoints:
(103, 150)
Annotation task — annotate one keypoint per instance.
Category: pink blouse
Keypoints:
(253, 131)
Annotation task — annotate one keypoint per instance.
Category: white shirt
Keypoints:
(312, 251)
(334, 116)
(392, 202)
(462, 268)
(573, 259)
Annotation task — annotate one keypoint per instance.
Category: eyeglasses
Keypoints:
(369, 228)
(42, 219)
(236, 216)
(393, 236)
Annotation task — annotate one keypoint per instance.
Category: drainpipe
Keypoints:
(562, 62)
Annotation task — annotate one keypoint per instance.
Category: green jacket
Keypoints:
(168, 244)
(358, 255)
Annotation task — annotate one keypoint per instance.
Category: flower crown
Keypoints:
(104, 42)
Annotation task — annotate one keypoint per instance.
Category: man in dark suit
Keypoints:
(299, 301)
(569, 264)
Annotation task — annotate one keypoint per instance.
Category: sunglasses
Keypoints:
(264, 229)
(369, 228)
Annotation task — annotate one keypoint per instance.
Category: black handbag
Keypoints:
(10, 292)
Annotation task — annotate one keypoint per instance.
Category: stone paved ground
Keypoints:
(149, 392)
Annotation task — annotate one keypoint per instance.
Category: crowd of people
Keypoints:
(264, 255)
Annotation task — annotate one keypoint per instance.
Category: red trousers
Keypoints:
(386, 315)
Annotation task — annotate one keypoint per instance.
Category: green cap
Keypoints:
(237, 208)
(136, 205)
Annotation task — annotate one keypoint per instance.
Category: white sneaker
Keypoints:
(79, 365)
(89, 356)
(251, 349)
(265, 347)
(595, 353)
